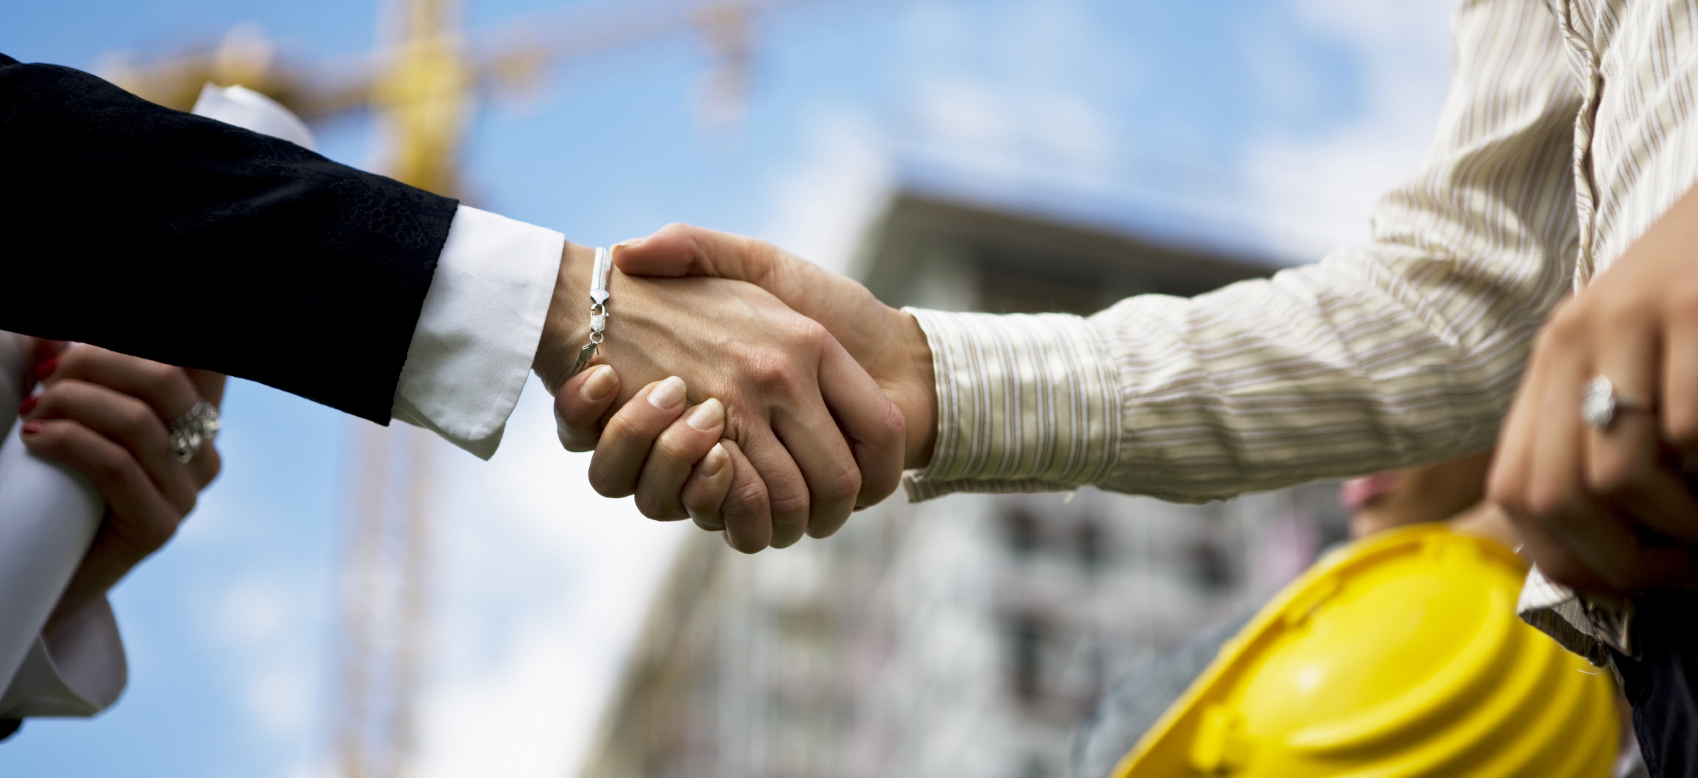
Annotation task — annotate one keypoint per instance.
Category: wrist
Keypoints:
(917, 393)
(567, 327)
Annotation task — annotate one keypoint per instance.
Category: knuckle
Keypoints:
(845, 483)
(746, 497)
(789, 508)
(1544, 500)
(1616, 477)
(707, 520)
(619, 434)
(162, 374)
(893, 426)
(1503, 481)
(154, 532)
(573, 441)
(606, 485)
(113, 468)
(572, 410)
(652, 507)
(767, 367)
(1563, 330)
(210, 465)
(1619, 314)
(135, 417)
(675, 451)
(1564, 568)
(186, 503)
(747, 540)
(808, 332)
(1680, 425)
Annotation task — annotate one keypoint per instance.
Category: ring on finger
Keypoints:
(193, 430)
(1601, 405)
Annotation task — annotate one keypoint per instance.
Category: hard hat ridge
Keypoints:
(1399, 656)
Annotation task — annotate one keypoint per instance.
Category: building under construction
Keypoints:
(961, 637)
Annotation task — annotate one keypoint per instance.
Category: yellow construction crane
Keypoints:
(420, 86)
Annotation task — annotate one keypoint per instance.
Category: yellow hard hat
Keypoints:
(1399, 655)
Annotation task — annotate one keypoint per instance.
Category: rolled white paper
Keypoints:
(48, 517)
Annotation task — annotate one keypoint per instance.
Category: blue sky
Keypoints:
(1261, 125)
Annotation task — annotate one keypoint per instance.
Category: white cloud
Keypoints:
(271, 659)
(1310, 194)
(543, 587)
(821, 207)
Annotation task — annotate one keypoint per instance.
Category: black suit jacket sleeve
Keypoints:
(191, 242)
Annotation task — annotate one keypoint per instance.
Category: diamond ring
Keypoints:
(1600, 405)
(194, 429)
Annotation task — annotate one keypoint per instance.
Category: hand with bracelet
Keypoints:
(668, 457)
(809, 435)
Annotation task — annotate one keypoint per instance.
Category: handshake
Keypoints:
(737, 385)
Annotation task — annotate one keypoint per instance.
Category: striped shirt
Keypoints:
(1560, 143)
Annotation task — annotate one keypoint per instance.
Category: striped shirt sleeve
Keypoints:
(1400, 352)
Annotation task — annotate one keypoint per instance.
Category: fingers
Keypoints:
(139, 520)
(630, 434)
(126, 421)
(581, 403)
(746, 513)
(826, 464)
(43, 351)
(1626, 463)
(1679, 398)
(164, 388)
(209, 385)
(777, 467)
(708, 485)
(145, 519)
(1602, 551)
(871, 423)
(674, 458)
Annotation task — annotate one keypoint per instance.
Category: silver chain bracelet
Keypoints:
(598, 310)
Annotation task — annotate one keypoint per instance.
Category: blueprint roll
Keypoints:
(48, 517)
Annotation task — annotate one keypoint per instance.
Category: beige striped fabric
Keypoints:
(1564, 137)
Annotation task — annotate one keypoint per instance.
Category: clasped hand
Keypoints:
(766, 399)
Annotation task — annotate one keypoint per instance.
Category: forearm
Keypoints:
(314, 271)
(1401, 351)
(1319, 373)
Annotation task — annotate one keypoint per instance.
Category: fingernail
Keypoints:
(630, 244)
(707, 416)
(714, 462)
(668, 394)
(601, 381)
(31, 427)
(45, 369)
(26, 406)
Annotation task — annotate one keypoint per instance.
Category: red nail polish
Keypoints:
(46, 369)
(26, 406)
(31, 427)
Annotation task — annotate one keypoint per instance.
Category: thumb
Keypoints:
(683, 250)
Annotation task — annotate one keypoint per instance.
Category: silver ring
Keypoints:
(193, 430)
(1600, 405)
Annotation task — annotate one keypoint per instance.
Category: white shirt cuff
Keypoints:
(479, 329)
(79, 671)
